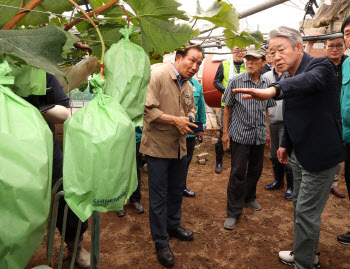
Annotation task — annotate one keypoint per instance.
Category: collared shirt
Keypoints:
(180, 79)
(164, 96)
(338, 70)
(247, 123)
(275, 113)
(199, 102)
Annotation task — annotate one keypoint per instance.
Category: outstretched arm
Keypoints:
(257, 94)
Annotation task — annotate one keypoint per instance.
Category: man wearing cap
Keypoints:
(227, 70)
(245, 129)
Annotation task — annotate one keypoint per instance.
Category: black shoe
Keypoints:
(274, 185)
(165, 256)
(181, 233)
(218, 167)
(344, 238)
(121, 213)
(188, 193)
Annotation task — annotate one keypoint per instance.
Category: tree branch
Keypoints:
(98, 32)
(97, 11)
(79, 45)
(12, 23)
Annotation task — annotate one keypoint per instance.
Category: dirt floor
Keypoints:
(254, 243)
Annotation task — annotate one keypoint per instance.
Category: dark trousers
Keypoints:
(166, 182)
(190, 144)
(276, 133)
(219, 149)
(136, 196)
(246, 169)
(347, 167)
(72, 219)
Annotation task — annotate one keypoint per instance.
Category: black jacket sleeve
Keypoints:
(219, 77)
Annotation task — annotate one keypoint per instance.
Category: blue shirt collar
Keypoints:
(180, 79)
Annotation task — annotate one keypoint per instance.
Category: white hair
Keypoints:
(291, 34)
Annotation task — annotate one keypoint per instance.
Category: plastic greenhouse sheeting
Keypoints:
(99, 158)
(128, 73)
(25, 176)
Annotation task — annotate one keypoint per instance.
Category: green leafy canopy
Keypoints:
(42, 48)
(32, 18)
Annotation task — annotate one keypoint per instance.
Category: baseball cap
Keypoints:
(259, 53)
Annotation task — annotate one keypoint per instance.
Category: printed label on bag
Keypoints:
(112, 200)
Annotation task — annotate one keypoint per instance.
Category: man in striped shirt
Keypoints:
(245, 129)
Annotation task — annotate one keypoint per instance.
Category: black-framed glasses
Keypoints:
(338, 46)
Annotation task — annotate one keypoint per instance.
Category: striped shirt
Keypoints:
(247, 123)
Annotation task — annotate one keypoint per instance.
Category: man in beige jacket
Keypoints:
(169, 104)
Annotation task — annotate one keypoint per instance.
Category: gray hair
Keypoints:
(291, 34)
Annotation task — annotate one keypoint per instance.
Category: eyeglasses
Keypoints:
(239, 51)
(338, 47)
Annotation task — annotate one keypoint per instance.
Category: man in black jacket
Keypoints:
(334, 49)
(58, 112)
(312, 137)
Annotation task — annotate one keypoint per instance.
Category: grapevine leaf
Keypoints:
(257, 36)
(8, 13)
(199, 8)
(35, 18)
(70, 40)
(160, 9)
(136, 38)
(220, 14)
(41, 48)
(213, 10)
(110, 34)
(58, 21)
(95, 4)
(156, 27)
(162, 36)
(244, 39)
(115, 12)
(56, 6)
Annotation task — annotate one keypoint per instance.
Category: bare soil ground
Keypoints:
(254, 243)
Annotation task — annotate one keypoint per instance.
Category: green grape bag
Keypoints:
(26, 152)
(128, 72)
(99, 156)
(28, 80)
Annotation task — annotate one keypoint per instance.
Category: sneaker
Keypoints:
(289, 194)
(188, 193)
(274, 185)
(287, 257)
(254, 205)
(121, 213)
(137, 207)
(230, 223)
(344, 238)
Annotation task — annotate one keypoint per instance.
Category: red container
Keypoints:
(211, 95)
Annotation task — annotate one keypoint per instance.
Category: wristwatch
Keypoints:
(278, 89)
